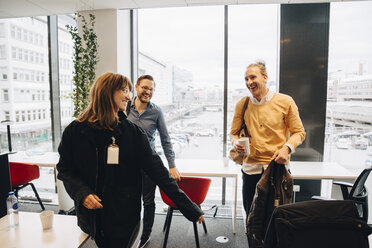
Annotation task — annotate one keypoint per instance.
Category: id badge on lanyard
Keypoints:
(113, 153)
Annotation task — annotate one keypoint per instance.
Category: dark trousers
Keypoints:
(148, 197)
(248, 190)
(109, 242)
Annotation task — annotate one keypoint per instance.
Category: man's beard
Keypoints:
(144, 101)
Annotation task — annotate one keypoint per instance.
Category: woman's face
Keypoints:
(121, 98)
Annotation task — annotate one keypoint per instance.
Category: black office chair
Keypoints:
(320, 224)
(358, 193)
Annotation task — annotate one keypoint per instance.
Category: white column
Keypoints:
(113, 35)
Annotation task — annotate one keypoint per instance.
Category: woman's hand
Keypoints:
(92, 202)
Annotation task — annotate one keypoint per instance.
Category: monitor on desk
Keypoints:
(5, 185)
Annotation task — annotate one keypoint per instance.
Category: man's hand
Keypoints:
(92, 202)
(239, 148)
(201, 218)
(281, 156)
(175, 174)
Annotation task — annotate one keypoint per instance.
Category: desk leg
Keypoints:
(235, 204)
(326, 187)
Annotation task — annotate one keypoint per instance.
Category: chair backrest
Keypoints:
(358, 190)
(196, 188)
(22, 173)
(320, 224)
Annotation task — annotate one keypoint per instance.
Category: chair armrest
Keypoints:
(323, 198)
(343, 184)
(344, 188)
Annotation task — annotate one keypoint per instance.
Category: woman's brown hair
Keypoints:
(101, 112)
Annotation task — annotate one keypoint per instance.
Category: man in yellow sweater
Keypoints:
(274, 129)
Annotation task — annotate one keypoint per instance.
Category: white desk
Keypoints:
(325, 171)
(204, 168)
(299, 170)
(48, 159)
(319, 170)
(65, 232)
(212, 168)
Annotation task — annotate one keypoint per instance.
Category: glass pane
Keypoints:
(253, 36)
(348, 136)
(24, 82)
(185, 57)
(66, 67)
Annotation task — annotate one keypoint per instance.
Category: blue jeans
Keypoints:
(148, 198)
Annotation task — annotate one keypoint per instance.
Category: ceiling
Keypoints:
(21, 8)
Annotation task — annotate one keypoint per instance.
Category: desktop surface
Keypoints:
(64, 233)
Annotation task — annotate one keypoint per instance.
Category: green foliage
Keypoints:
(85, 59)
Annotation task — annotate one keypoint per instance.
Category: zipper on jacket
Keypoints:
(104, 179)
(95, 190)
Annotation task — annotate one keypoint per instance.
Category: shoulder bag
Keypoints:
(243, 132)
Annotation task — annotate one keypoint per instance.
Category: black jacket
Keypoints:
(274, 188)
(121, 194)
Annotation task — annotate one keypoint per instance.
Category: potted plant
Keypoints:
(85, 59)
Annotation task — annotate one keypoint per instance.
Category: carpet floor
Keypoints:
(181, 234)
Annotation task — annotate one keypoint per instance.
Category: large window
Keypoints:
(25, 100)
(28, 65)
(253, 36)
(186, 58)
(182, 48)
(348, 136)
(65, 52)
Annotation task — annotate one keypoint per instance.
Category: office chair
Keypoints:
(21, 175)
(358, 193)
(196, 188)
(320, 224)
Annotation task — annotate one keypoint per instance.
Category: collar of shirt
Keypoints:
(149, 106)
(264, 99)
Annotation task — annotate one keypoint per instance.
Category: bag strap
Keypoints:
(129, 104)
(243, 126)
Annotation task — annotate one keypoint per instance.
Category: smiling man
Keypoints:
(150, 118)
(274, 129)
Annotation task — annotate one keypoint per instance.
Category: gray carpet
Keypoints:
(181, 233)
(34, 206)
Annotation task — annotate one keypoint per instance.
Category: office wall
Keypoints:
(304, 35)
(113, 29)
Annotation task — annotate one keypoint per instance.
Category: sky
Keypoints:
(193, 38)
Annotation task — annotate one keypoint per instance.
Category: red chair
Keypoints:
(196, 188)
(21, 175)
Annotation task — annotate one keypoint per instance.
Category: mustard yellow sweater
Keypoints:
(270, 126)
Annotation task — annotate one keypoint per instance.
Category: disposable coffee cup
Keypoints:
(46, 218)
(245, 142)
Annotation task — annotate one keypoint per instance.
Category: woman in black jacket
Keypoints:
(101, 158)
